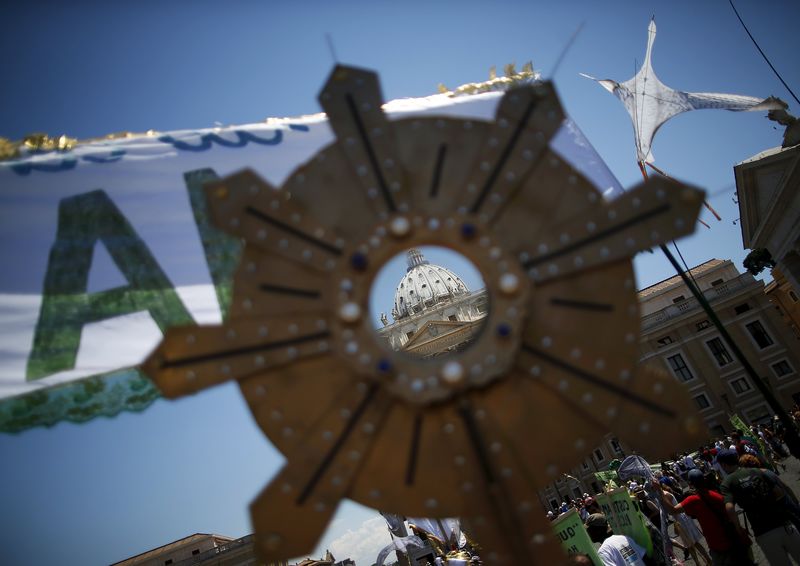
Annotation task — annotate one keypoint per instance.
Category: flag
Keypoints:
(107, 243)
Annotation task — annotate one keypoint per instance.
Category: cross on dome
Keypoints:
(414, 258)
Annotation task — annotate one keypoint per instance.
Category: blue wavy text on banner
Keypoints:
(243, 138)
(26, 168)
(115, 155)
(206, 141)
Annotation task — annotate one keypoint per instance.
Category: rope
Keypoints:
(705, 202)
(564, 51)
(777, 74)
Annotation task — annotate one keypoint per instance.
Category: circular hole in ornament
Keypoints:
(428, 301)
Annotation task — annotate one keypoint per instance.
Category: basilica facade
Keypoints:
(433, 312)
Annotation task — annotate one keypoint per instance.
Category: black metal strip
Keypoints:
(373, 160)
(487, 187)
(582, 305)
(465, 411)
(599, 382)
(413, 452)
(305, 293)
(337, 446)
(202, 358)
(437, 171)
(610, 231)
(292, 230)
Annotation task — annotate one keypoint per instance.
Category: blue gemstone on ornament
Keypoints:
(359, 261)
(503, 330)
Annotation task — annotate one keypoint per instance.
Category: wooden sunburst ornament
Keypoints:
(473, 434)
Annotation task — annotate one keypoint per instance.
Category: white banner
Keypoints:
(108, 244)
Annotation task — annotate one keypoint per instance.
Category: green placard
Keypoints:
(624, 517)
(608, 477)
(573, 537)
(747, 434)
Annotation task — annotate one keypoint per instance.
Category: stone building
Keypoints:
(581, 479)
(216, 550)
(200, 548)
(677, 336)
(434, 312)
(786, 300)
(768, 186)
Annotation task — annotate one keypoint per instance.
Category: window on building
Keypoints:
(615, 446)
(756, 330)
(585, 465)
(595, 487)
(760, 415)
(702, 325)
(717, 430)
(598, 455)
(452, 318)
(679, 367)
(554, 504)
(740, 386)
(739, 309)
(168, 562)
(679, 299)
(409, 334)
(664, 340)
(782, 368)
(196, 551)
(793, 296)
(702, 401)
(716, 282)
(719, 352)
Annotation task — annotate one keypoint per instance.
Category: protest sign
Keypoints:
(624, 517)
(573, 537)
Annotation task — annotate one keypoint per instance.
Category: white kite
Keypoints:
(650, 102)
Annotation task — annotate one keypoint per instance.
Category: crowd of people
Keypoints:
(708, 488)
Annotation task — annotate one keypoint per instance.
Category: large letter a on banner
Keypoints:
(67, 307)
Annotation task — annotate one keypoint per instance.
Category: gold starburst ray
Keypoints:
(447, 436)
(526, 120)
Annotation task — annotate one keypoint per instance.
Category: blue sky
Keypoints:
(99, 492)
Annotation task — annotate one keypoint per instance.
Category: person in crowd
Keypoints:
(579, 559)
(615, 550)
(763, 500)
(742, 445)
(591, 505)
(686, 528)
(647, 507)
(708, 507)
(583, 512)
